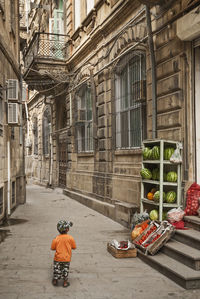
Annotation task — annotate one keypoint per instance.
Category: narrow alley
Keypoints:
(26, 258)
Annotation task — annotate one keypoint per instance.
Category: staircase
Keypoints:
(179, 259)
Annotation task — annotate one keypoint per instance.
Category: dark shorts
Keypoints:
(60, 270)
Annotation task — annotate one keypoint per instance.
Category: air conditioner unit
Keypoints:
(81, 115)
(13, 114)
(139, 90)
(12, 89)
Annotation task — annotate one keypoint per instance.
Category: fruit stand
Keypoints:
(161, 179)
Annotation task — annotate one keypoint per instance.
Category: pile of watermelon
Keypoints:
(151, 153)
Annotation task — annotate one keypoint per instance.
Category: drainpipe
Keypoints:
(8, 192)
(153, 72)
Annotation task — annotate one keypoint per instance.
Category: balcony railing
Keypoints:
(45, 45)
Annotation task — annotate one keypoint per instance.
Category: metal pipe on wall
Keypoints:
(153, 72)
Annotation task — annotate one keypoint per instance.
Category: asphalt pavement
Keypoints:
(26, 259)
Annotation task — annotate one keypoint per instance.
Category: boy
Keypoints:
(63, 244)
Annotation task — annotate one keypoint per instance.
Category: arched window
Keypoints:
(130, 96)
(35, 135)
(84, 125)
(46, 130)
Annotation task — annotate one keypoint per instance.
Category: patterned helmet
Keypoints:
(63, 225)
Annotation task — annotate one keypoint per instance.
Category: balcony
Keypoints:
(45, 61)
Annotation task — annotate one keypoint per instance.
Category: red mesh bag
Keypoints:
(192, 203)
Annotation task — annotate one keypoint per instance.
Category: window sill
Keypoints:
(124, 152)
(86, 154)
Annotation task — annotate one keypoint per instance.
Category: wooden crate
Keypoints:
(117, 253)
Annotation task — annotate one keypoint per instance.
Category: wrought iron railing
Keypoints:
(45, 45)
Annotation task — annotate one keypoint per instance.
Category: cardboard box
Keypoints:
(117, 253)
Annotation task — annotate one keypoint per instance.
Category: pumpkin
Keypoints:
(150, 196)
(136, 232)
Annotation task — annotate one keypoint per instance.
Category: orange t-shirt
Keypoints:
(63, 244)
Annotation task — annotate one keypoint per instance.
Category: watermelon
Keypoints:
(156, 152)
(156, 196)
(164, 215)
(171, 176)
(168, 152)
(149, 155)
(156, 174)
(145, 153)
(146, 173)
(171, 197)
(153, 215)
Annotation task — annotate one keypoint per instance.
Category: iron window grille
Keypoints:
(84, 119)
(130, 98)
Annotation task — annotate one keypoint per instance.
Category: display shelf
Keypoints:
(164, 186)
(156, 162)
(158, 183)
(165, 205)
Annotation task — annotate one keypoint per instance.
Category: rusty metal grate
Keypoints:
(45, 45)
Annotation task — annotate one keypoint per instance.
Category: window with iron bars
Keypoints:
(84, 124)
(46, 130)
(130, 96)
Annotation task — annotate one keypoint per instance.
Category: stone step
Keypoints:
(183, 253)
(173, 269)
(193, 222)
(189, 237)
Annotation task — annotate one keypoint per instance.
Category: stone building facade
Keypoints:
(12, 164)
(98, 105)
